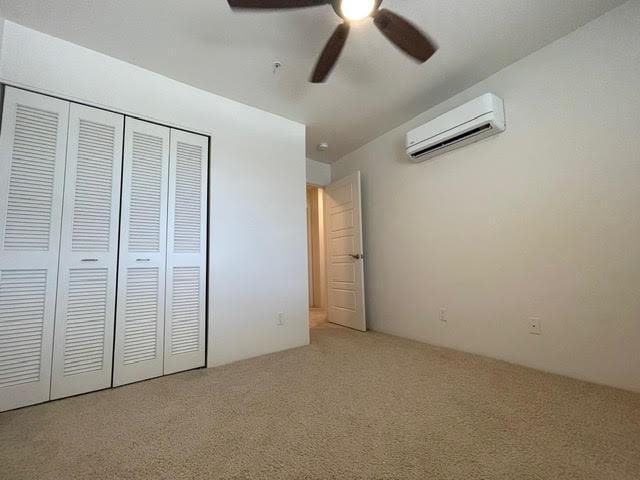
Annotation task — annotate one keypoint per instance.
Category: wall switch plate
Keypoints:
(443, 315)
(280, 319)
(535, 326)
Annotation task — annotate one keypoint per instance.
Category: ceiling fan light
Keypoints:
(354, 10)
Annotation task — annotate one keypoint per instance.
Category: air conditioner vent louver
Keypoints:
(478, 119)
(452, 141)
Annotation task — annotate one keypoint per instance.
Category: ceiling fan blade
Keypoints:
(404, 35)
(330, 54)
(276, 4)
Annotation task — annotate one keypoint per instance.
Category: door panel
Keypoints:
(345, 260)
(140, 315)
(186, 253)
(32, 162)
(83, 341)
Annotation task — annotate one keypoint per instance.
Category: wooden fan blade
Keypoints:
(404, 35)
(276, 4)
(330, 54)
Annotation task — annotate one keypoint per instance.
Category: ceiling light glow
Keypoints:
(357, 9)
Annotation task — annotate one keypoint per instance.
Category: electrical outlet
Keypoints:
(443, 315)
(535, 326)
(280, 319)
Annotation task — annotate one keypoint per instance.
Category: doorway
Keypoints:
(336, 254)
(316, 256)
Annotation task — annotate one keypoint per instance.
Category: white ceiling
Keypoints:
(373, 89)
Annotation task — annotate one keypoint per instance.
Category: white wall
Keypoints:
(541, 220)
(258, 259)
(318, 173)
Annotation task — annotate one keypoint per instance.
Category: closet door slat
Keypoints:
(186, 253)
(140, 315)
(32, 162)
(85, 313)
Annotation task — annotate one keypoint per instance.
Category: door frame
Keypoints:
(316, 239)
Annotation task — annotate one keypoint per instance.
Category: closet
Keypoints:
(103, 231)
(162, 253)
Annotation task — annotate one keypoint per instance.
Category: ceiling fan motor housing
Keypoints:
(337, 7)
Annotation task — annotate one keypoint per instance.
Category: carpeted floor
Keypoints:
(352, 405)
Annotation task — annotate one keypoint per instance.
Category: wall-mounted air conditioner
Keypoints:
(473, 121)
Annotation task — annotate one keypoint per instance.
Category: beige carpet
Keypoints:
(352, 405)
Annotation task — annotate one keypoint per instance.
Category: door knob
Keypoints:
(357, 256)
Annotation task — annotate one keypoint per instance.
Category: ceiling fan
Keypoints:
(397, 29)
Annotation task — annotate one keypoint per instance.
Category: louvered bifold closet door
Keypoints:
(85, 312)
(143, 234)
(186, 253)
(32, 159)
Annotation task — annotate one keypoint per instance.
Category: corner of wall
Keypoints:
(318, 173)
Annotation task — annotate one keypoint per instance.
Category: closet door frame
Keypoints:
(24, 259)
(73, 376)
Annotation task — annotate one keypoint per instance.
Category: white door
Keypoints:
(32, 162)
(83, 339)
(345, 257)
(184, 346)
(140, 312)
